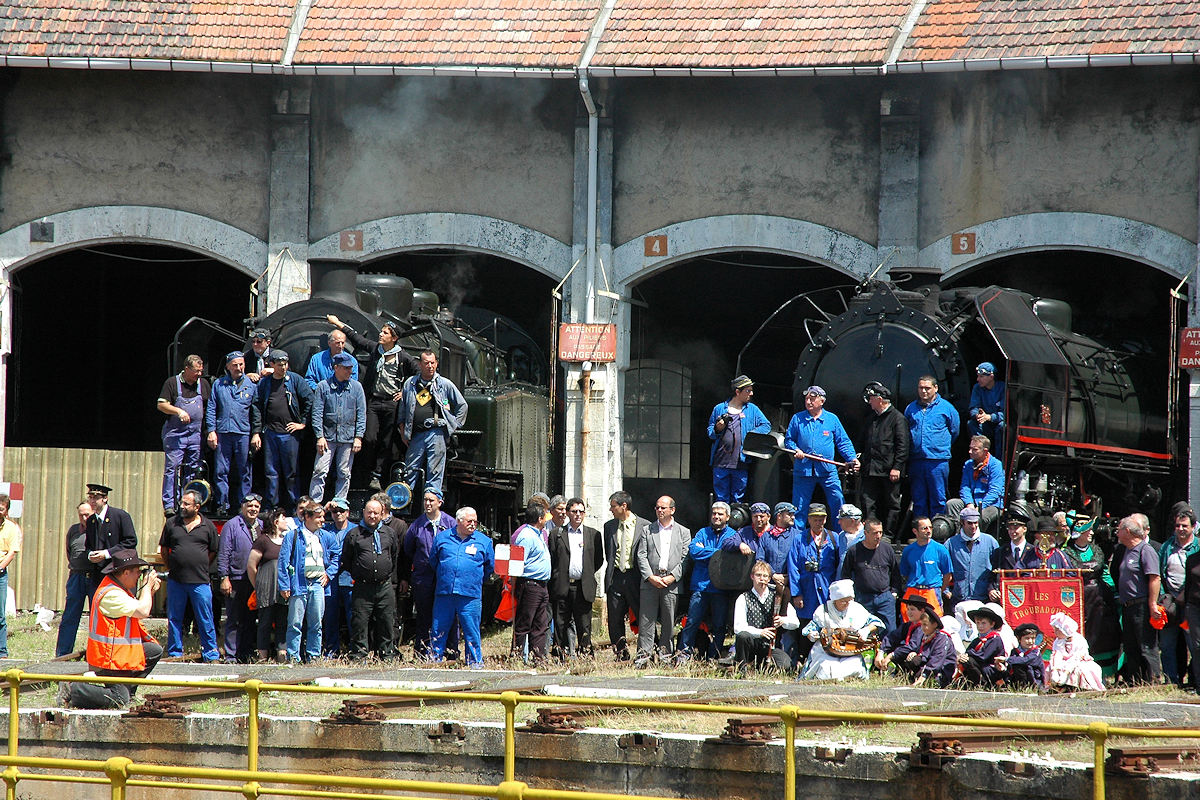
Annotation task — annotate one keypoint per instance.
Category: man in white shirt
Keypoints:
(757, 621)
(576, 553)
(661, 547)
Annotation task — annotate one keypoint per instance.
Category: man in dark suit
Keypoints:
(576, 552)
(1017, 553)
(108, 529)
(661, 548)
(622, 582)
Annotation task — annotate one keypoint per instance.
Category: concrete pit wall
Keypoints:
(674, 765)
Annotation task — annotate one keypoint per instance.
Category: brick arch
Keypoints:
(1064, 230)
(81, 227)
(753, 232)
(510, 240)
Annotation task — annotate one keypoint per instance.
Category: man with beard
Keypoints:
(187, 546)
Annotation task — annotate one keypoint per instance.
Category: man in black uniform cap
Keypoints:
(885, 457)
(108, 529)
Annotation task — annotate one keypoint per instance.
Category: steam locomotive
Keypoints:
(502, 448)
(1087, 423)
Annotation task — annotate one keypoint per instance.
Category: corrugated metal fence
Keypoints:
(55, 481)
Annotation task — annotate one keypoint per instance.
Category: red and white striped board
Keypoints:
(510, 560)
(16, 497)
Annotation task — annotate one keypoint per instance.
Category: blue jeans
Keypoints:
(426, 450)
(305, 610)
(468, 611)
(729, 485)
(68, 626)
(802, 492)
(282, 454)
(712, 607)
(341, 456)
(337, 611)
(200, 596)
(1169, 639)
(233, 469)
(882, 605)
(929, 478)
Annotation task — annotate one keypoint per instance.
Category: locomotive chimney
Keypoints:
(918, 282)
(333, 279)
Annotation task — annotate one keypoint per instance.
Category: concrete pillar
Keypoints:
(899, 176)
(592, 430)
(1193, 417)
(286, 277)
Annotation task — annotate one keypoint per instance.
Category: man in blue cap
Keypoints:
(227, 420)
(728, 425)
(985, 414)
(816, 437)
(339, 419)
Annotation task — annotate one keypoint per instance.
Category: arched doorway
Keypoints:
(90, 334)
(690, 327)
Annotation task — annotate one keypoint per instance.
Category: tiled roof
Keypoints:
(962, 29)
(521, 33)
(248, 30)
(749, 33)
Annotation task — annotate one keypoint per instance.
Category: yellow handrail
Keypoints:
(250, 781)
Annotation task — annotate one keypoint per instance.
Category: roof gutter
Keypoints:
(905, 31)
(586, 70)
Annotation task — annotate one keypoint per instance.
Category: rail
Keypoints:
(119, 772)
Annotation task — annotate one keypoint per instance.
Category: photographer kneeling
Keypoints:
(117, 644)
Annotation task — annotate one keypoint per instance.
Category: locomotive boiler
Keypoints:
(1086, 421)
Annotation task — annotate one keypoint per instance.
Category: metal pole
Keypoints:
(253, 687)
(788, 714)
(117, 770)
(14, 708)
(1099, 733)
(510, 700)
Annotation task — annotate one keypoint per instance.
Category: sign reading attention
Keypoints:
(1189, 348)
(578, 341)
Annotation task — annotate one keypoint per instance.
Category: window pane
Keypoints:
(648, 387)
(670, 461)
(629, 459)
(647, 466)
(633, 417)
(672, 388)
(671, 424)
(648, 431)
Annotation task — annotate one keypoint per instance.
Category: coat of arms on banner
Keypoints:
(1016, 596)
(1067, 595)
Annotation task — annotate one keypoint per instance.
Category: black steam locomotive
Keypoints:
(502, 448)
(1087, 423)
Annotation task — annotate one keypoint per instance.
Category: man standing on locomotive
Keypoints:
(886, 457)
(431, 410)
(985, 412)
(728, 425)
(227, 420)
(933, 423)
(182, 399)
(816, 436)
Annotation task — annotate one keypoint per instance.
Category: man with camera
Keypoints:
(118, 646)
(728, 425)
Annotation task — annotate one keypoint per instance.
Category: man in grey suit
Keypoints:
(661, 549)
(621, 578)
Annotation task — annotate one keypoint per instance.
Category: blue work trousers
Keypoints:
(339, 455)
(282, 455)
(305, 611)
(802, 492)
(929, 478)
(710, 607)
(882, 605)
(181, 455)
(200, 596)
(729, 485)
(468, 612)
(233, 470)
(427, 451)
(337, 611)
(68, 625)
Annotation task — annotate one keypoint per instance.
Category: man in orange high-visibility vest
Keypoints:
(117, 644)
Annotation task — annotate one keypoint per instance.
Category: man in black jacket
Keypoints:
(885, 459)
(108, 529)
(576, 552)
(369, 554)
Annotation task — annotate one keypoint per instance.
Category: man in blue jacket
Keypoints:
(728, 425)
(462, 558)
(283, 401)
(982, 486)
(817, 432)
(933, 423)
(339, 420)
(431, 410)
(985, 412)
(708, 603)
(308, 560)
(227, 420)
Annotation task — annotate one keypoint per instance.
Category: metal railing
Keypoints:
(119, 771)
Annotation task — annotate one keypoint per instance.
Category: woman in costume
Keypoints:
(1101, 622)
(1071, 663)
(842, 625)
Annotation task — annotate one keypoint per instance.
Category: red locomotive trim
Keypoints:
(1103, 448)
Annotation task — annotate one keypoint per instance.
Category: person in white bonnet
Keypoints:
(841, 611)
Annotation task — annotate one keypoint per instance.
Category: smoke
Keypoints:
(454, 282)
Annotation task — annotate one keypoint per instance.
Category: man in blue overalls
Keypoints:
(182, 399)
(227, 420)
